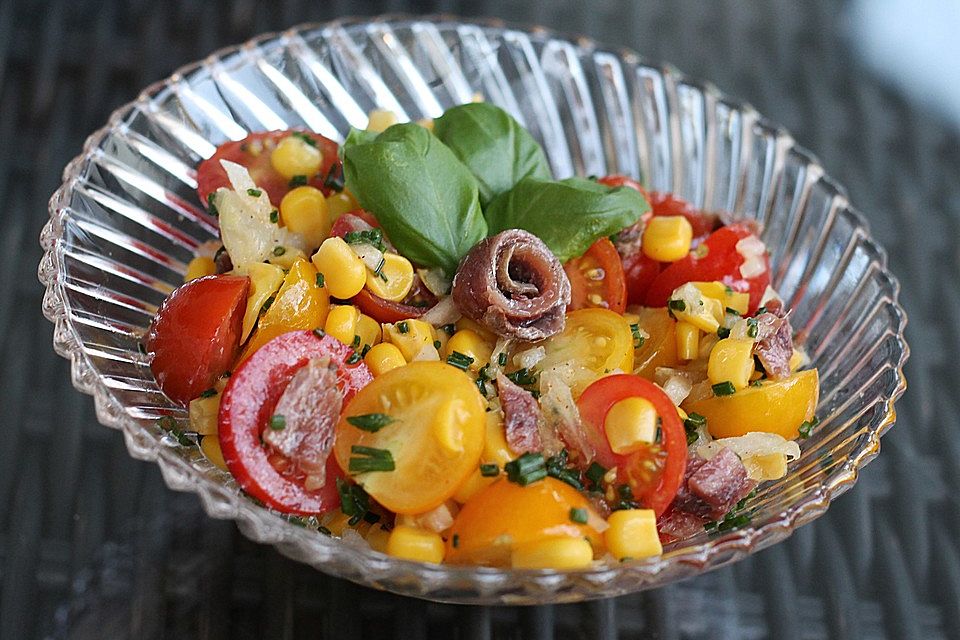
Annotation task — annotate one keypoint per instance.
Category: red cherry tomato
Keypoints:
(253, 152)
(383, 310)
(248, 403)
(196, 334)
(617, 180)
(654, 489)
(356, 220)
(717, 259)
(597, 279)
(639, 271)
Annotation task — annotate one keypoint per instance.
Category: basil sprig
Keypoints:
(489, 142)
(422, 195)
(568, 215)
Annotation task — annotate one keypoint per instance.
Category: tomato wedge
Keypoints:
(654, 490)
(718, 259)
(196, 335)
(248, 403)
(639, 272)
(597, 279)
(253, 152)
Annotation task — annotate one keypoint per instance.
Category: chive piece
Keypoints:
(298, 181)
(274, 216)
(677, 305)
(354, 501)
(299, 134)
(278, 422)
(255, 193)
(456, 540)
(449, 329)
(279, 251)
(489, 470)
(732, 312)
(723, 332)
(167, 423)
(266, 305)
(322, 529)
(757, 383)
(320, 280)
(638, 338)
(595, 473)
(459, 360)
(371, 517)
(319, 333)
(371, 422)
(334, 178)
(625, 492)
(502, 359)
(526, 469)
(807, 427)
(725, 388)
(209, 393)
(403, 327)
(523, 377)
(437, 345)
(354, 358)
(578, 515)
(366, 236)
(370, 459)
(760, 311)
(692, 426)
(363, 352)
(211, 205)
(752, 328)
(356, 342)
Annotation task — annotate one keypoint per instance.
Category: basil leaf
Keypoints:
(424, 198)
(496, 149)
(359, 136)
(568, 215)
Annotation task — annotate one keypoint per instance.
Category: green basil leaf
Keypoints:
(424, 198)
(568, 215)
(496, 149)
(357, 136)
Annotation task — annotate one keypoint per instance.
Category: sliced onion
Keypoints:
(753, 251)
(770, 294)
(754, 444)
(435, 281)
(442, 313)
(676, 384)
(371, 256)
(427, 353)
(528, 359)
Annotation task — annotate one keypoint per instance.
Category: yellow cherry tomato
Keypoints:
(504, 516)
(434, 440)
(593, 343)
(779, 407)
(659, 348)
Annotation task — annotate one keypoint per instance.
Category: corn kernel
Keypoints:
(342, 323)
(295, 157)
(203, 415)
(632, 534)
(469, 343)
(437, 520)
(735, 300)
(415, 544)
(377, 538)
(341, 203)
(199, 267)
(476, 327)
(796, 359)
(210, 446)
(265, 280)
(683, 414)
(382, 358)
(630, 425)
(369, 331)
(667, 238)
(771, 466)
(286, 258)
(731, 360)
(552, 553)
(396, 278)
(715, 308)
(446, 426)
(381, 120)
(688, 341)
(304, 210)
(410, 336)
(696, 309)
(344, 273)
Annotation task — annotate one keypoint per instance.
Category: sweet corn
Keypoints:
(735, 300)
(469, 343)
(210, 446)
(203, 415)
(369, 330)
(688, 341)
(632, 534)
(796, 359)
(667, 238)
(342, 323)
(410, 336)
(304, 210)
(687, 304)
(381, 119)
(437, 520)
(293, 156)
(382, 358)
(552, 553)
(344, 273)
(395, 279)
(771, 466)
(683, 414)
(265, 279)
(715, 308)
(341, 203)
(476, 327)
(377, 538)
(731, 360)
(199, 267)
(287, 258)
(630, 425)
(415, 544)
(446, 426)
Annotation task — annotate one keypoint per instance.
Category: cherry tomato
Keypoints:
(654, 489)
(248, 403)
(383, 310)
(659, 348)
(716, 259)
(253, 152)
(639, 272)
(196, 335)
(597, 279)
(666, 204)
(356, 220)
(617, 180)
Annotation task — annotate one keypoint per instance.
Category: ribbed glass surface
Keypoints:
(126, 221)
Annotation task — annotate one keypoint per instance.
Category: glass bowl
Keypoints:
(126, 221)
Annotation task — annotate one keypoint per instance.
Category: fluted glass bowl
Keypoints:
(127, 220)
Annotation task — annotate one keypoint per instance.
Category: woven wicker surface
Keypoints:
(92, 545)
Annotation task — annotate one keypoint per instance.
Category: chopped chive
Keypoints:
(757, 383)
(459, 360)
(320, 280)
(266, 305)
(807, 426)
(279, 251)
(334, 177)
(723, 332)
(725, 388)
(371, 422)
(211, 205)
(354, 358)
(760, 311)
(353, 499)
(595, 473)
(209, 393)
(255, 193)
(319, 333)
(752, 328)
(625, 492)
(638, 338)
(449, 329)
(456, 540)
(403, 327)
(732, 312)
(523, 377)
(437, 345)
(489, 470)
(274, 216)
(370, 459)
(578, 515)
(366, 236)
(692, 425)
(371, 517)
(677, 305)
(356, 342)
(363, 352)
(502, 359)
(298, 181)
(528, 468)
(278, 422)
(299, 134)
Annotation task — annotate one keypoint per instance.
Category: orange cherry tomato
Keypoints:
(597, 279)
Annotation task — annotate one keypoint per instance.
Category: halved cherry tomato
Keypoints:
(716, 259)
(659, 348)
(248, 403)
(383, 310)
(617, 180)
(253, 152)
(356, 220)
(597, 279)
(639, 272)
(196, 335)
(657, 488)
(435, 437)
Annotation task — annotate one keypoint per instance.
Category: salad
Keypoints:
(421, 340)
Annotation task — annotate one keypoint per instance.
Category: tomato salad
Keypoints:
(420, 339)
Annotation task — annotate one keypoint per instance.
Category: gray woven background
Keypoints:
(92, 545)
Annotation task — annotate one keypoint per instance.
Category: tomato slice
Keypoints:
(597, 279)
(253, 152)
(618, 180)
(667, 204)
(717, 259)
(655, 490)
(196, 335)
(639, 272)
(248, 403)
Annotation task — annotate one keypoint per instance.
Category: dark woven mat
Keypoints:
(92, 545)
